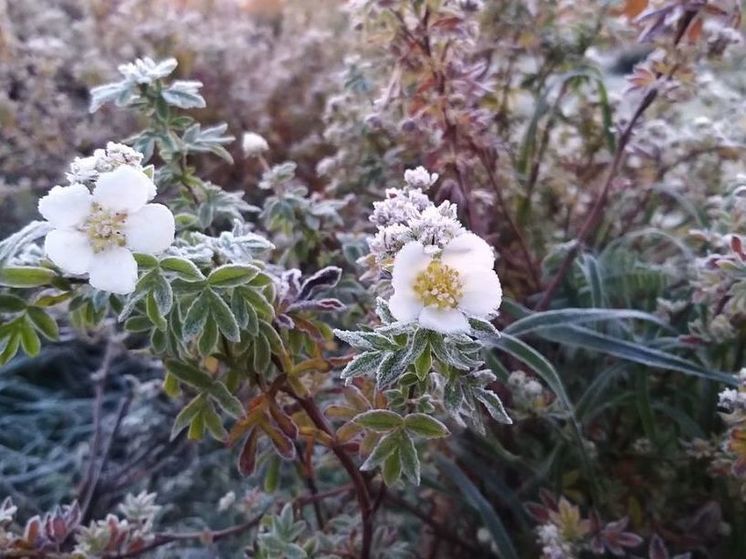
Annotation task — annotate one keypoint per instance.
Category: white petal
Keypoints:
(125, 189)
(66, 206)
(482, 293)
(410, 261)
(69, 250)
(150, 229)
(468, 251)
(405, 306)
(114, 270)
(445, 321)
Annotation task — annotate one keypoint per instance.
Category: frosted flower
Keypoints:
(95, 234)
(420, 178)
(436, 225)
(441, 291)
(253, 144)
(388, 241)
(87, 169)
(400, 206)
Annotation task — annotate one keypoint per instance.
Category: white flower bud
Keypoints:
(253, 144)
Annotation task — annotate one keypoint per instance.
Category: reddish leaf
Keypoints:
(247, 458)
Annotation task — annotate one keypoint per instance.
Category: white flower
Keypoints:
(441, 292)
(95, 234)
(420, 178)
(253, 144)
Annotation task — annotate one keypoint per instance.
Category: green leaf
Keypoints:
(26, 276)
(409, 460)
(565, 317)
(183, 268)
(30, 341)
(12, 245)
(423, 364)
(209, 337)
(145, 260)
(418, 343)
(391, 368)
(274, 339)
(186, 415)
(258, 302)
(491, 520)
(189, 374)
(392, 468)
(138, 324)
(9, 346)
(223, 316)
(494, 405)
(483, 328)
(388, 444)
(214, 424)
(262, 353)
(425, 426)
(633, 351)
(184, 94)
(155, 316)
(380, 421)
(364, 364)
(11, 303)
(231, 275)
(197, 427)
(163, 294)
(226, 400)
(196, 316)
(44, 323)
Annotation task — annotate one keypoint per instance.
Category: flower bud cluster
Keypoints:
(407, 214)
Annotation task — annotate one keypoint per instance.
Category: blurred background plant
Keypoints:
(597, 146)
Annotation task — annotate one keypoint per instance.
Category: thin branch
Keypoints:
(358, 481)
(165, 538)
(88, 486)
(440, 530)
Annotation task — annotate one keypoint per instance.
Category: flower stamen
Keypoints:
(105, 228)
(439, 286)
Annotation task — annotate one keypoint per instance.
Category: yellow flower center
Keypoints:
(439, 286)
(105, 228)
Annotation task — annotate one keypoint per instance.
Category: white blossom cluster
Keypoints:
(527, 392)
(553, 545)
(407, 215)
(87, 169)
(733, 400)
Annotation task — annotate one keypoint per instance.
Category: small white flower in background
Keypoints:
(227, 501)
(253, 144)
(420, 178)
(95, 234)
(441, 291)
